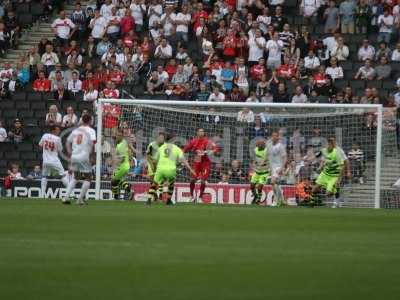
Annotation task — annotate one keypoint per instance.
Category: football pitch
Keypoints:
(120, 250)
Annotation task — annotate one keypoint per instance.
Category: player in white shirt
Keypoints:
(277, 161)
(51, 145)
(80, 144)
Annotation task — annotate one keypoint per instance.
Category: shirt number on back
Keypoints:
(79, 139)
(49, 146)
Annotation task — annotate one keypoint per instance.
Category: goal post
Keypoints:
(303, 128)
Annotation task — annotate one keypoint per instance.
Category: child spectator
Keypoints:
(356, 158)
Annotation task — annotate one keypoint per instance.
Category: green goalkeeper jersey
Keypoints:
(152, 150)
(261, 160)
(168, 156)
(122, 152)
(333, 161)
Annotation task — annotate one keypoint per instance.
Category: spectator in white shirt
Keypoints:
(245, 115)
(138, 9)
(154, 13)
(98, 25)
(396, 53)
(216, 95)
(256, 47)
(274, 48)
(63, 28)
(299, 96)
(105, 9)
(168, 21)
(6, 73)
(334, 71)
(113, 25)
(366, 51)
(311, 62)
(53, 117)
(309, 9)
(340, 51)
(182, 21)
(49, 59)
(3, 133)
(163, 51)
(91, 94)
(70, 119)
(75, 85)
(366, 72)
(385, 23)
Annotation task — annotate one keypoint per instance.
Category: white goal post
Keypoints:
(297, 123)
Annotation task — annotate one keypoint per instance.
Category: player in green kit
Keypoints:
(151, 157)
(168, 156)
(121, 160)
(261, 171)
(334, 166)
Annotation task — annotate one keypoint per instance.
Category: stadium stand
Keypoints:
(180, 49)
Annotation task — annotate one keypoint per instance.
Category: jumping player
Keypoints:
(123, 151)
(201, 146)
(151, 157)
(80, 144)
(168, 156)
(261, 170)
(334, 165)
(51, 145)
(277, 160)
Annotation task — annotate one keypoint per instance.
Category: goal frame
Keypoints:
(377, 107)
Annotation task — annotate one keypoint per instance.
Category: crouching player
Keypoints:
(123, 151)
(51, 145)
(168, 156)
(151, 157)
(80, 144)
(334, 165)
(261, 171)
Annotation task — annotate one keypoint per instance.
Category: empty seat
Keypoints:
(11, 155)
(6, 104)
(22, 8)
(25, 20)
(34, 96)
(9, 114)
(340, 84)
(37, 10)
(29, 155)
(388, 84)
(24, 114)
(32, 131)
(22, 105)
(374, 84)
(18, 96)
(40, 114)
(346, 65)
(357, 84)
(24, 146)
(38, 105)
(29, 164)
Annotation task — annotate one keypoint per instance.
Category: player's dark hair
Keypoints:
(170, 136)
(86, 119)
(331, 139)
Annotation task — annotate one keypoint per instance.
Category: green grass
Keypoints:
(116, 250)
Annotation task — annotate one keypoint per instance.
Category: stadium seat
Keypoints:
(374, 84)
(357, 84)
(341, 83)
(38, 105)
(34, 96)
(37, 10)
(10, 114)
(346, 65)
(29, 164)
(32, 131)
(24, 146)
(22, 105)
(25, 114)
(388, 84)
(11, 155)
(29, 155)
(25, 20)
(22, 8)
(6, 104)
(18, 96)
(40, 114)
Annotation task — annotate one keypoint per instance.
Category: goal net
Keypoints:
(362, 131)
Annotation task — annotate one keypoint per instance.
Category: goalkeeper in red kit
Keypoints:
(201, 147)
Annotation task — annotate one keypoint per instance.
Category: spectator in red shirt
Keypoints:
(200, 13)
(127, 23)
(111, 114)
(287, 70)
(170, 68)
(258, 70)
(129, 39)
(90, 79)
(320, 77)
(110, 91)
(229, 43)
(42, 84)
